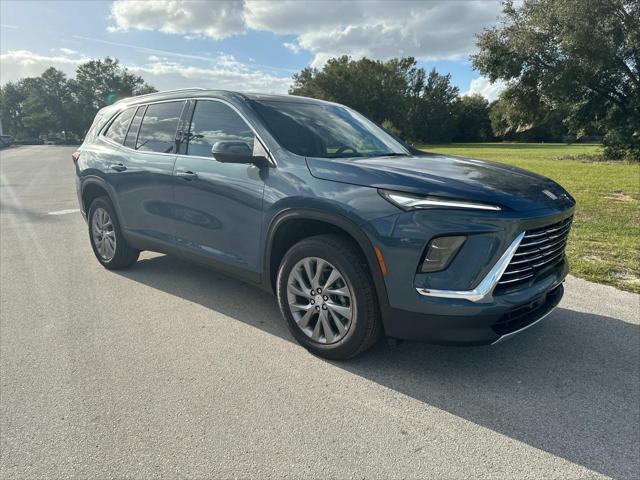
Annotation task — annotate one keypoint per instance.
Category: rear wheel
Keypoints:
(327, 297)
(109, 245)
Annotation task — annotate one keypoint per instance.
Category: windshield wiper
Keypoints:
(390, 154)
(346, 155)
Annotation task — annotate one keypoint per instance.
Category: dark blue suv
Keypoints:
(358, 234)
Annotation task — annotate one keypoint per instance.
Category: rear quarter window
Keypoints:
(118, 128)
(98, 122)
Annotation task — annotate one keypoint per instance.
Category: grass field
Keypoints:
(604, 245)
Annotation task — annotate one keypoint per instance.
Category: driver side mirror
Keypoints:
(237, 152)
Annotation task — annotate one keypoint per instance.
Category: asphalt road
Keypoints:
(169, 370)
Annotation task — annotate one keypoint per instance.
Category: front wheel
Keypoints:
(327, 297)
(109, 245)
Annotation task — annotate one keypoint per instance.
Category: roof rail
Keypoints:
(159, 93)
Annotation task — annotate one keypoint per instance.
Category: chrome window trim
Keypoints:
(128, 149)
(136, 106)
(144, 112)
(485, 288)
(270, 156)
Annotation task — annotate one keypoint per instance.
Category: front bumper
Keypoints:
(463, 303)
(460, 322)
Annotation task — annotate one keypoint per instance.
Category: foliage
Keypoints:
(608, 202)
(576, 57)
(419, 106)
(376, 89)
(473, 119)
(102, 82)
(524, 116)
(52, 104)
(435, 107)
(426, 107)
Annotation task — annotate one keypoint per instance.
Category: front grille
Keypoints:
(540, 248)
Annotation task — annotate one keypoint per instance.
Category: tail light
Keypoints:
(75, 156)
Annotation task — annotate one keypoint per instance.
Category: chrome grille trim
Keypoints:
(544, 240)
(484, 290)
(539, 249)
(537, 254)
(549, 230)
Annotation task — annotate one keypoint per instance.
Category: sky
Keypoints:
(241, 45)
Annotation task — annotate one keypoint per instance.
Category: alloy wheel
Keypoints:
(104, 235)
(320, 300)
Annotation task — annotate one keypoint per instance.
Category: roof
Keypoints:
(224, 94)
(281, 98)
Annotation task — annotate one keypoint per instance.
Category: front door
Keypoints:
(218, 210)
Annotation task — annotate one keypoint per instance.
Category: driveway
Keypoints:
(169, 369)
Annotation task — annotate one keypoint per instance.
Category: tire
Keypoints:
(123, 255)
(353, 292)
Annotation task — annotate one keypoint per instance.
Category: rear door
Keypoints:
(219, 205)
(144, 185)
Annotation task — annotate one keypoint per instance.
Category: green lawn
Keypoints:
(604, 245)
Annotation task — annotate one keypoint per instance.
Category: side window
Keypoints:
(132, 134)
(158, 129)
(118, 128)
(215, 122)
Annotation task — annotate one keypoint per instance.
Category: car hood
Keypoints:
(448, 177)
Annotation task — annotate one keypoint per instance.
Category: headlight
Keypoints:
(440, 252)
(406, 201)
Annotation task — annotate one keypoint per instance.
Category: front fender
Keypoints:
(355, 230)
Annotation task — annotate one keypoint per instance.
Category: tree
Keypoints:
(522, 115)
(37, 105)
(434, 118)
(49, 103)
(376, 89)
(472, 119)
(395, 93)
(578, 57)
(101, 82)
(12, 96)
(52, 104)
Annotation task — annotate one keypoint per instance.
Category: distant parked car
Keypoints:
(49, 142)
(355, 232)
(5, 141)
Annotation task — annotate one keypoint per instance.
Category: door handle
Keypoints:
(188, 175)
(118, 167)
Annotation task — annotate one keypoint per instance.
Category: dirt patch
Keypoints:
(626, 277)
(592, 258)
(620, 196)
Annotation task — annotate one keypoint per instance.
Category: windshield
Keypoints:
(325, 131)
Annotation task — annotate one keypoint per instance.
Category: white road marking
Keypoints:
(65, 212)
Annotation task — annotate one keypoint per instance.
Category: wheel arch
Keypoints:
(291, 226)
(94, 187)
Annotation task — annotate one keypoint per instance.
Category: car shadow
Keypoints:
(568, 386)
